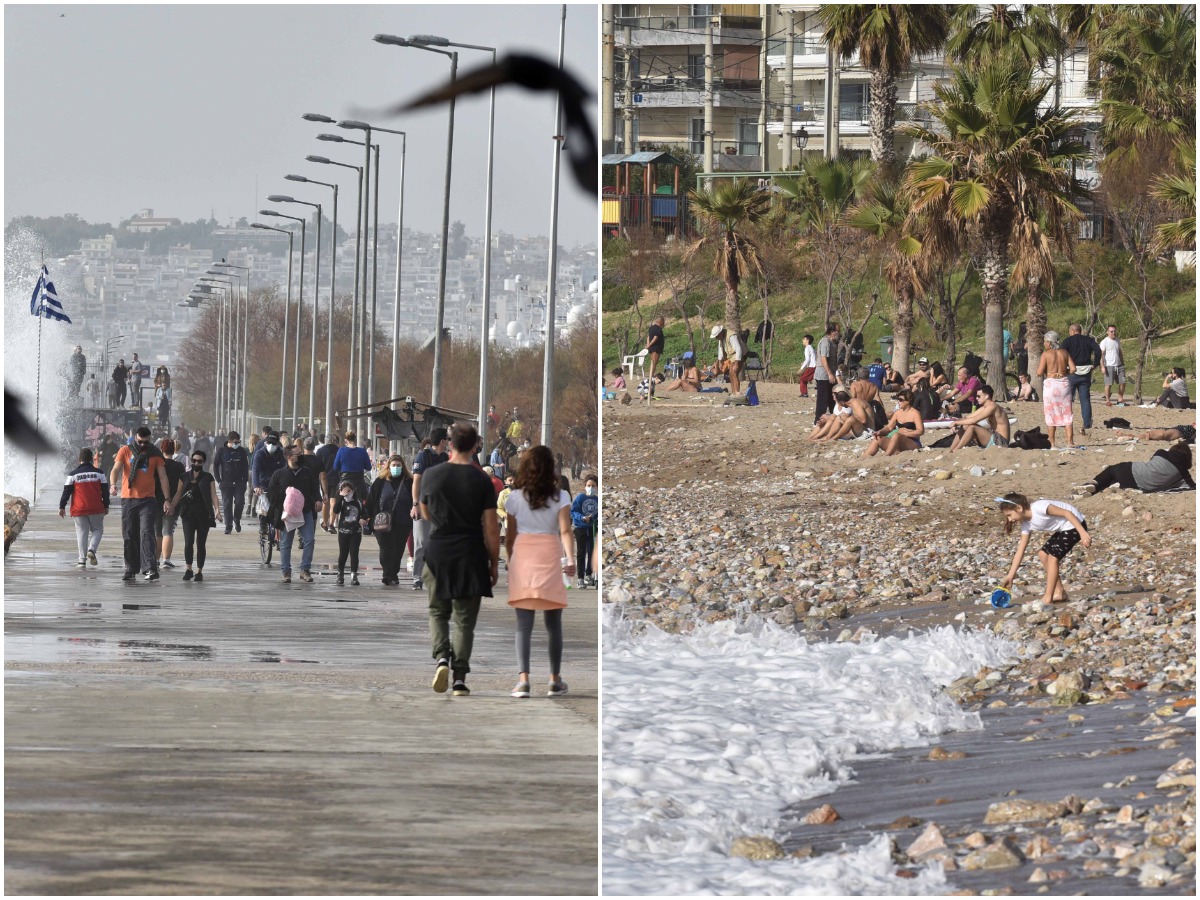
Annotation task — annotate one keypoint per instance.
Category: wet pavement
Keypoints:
(242, 736)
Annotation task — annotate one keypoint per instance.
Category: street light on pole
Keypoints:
(374, 265)
(312, 375)
(209, 286)
(245, 344)
(441, 304)
(232, 337)
(286, 313)
(485, 315)
(227, 370)
(332, 295)
(299, 307)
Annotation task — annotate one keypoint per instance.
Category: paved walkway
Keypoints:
(242, 736)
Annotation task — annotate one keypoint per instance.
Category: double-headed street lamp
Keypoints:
(206, 289)
(332, 295)
(441, 304)
(299, 306)
(286, 313)
(312, 377)
(233, 364)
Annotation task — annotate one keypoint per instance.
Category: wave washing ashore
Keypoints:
(708, 736)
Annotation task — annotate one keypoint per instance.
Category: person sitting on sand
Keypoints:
(1067, 527)
(618, 380)
(903, 430)
(830, 421)
(1165, 471)
(689, 381)
(862, 388)
(851, 423)
(959, 401)
(1185, 433)
(937, 377)
(892, 380)
(986, 427)
(1175, 391)
(922, 374)
(1024, 390)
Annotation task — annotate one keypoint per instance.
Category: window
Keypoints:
(853, 100)
(695, 67)
(747, 136)
(696, 137)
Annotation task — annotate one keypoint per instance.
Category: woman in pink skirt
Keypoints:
(541, 550)
(1054, 368)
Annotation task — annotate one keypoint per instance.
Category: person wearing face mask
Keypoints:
(268, 459)
(350, 514)
(295, 475)
(231, 468)
(139, 467)
(390, 493)
(199, 511)
(585, 516)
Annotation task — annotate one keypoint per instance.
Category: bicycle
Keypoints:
(268, 539)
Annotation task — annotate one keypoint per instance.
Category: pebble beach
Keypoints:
(1058, 753)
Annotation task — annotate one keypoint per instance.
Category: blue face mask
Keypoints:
(397, 471)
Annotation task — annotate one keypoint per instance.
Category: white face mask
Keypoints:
(272, 448)
(348, 495)
(589, 490)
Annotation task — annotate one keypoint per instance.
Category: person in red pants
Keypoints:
(809, 369)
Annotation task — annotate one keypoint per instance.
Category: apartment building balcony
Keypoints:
(685, 93)
(673, 30)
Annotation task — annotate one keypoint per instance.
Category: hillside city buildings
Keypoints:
(115, 291)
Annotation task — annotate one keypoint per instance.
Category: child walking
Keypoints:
(1066, 525)
(348, 510)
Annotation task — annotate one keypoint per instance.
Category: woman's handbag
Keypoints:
(382, 523)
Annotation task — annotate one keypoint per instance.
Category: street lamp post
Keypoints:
(299, 306)
(485, 315)
(312, 374)
(332, 295)
(245, 424)
(394, 40)
(209, 286)
(228, 365)
(286, 313)
(358, 237)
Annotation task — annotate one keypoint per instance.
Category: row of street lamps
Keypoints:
(232, 349)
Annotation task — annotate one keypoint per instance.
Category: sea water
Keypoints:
(22, 265)
(708, 736)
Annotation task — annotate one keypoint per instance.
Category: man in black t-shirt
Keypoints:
(433, 455)
(462, 554)
(655, 342)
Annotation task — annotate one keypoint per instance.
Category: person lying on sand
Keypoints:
(1185, 433)
(1165, 471)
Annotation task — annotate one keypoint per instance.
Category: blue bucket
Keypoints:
(1001, 598)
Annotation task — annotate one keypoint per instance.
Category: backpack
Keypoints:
(879, 416)
(1031, 440)
(752, 394)
(926, 402)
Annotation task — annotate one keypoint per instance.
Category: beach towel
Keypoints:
(1056, 393)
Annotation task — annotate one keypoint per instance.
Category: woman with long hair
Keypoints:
(391, 493)
(540, 545)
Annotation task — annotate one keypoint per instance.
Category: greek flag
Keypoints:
(45, 299)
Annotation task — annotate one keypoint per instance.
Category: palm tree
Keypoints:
(1179, 193)
(883, 213)
(886, 38)
(986, 34)
(998, 163)
(725, 213)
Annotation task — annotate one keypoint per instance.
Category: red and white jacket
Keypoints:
(87, 492)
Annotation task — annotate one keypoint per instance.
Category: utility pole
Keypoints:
(789, 91)
(764, 90)
(836, 94)
(828, 139)
(627, 110)
(608, 87)
(708, 95)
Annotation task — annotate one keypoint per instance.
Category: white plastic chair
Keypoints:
(638, 360)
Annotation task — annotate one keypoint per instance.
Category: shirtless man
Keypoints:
(848, 425)
(922, 374)
(987, 426)
(862, 388)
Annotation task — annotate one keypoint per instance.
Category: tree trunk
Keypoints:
(903, 328)
(733, 311)
(1035, 331)
(994, 278)
(883, 118)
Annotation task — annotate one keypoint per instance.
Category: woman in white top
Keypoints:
(808, 368)
(541, 550)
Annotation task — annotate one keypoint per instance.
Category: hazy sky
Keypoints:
(195, 109)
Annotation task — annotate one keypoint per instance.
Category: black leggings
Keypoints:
(1121, 473)
(553, 619)
(199, 535)
(585, 542)
(348, 546)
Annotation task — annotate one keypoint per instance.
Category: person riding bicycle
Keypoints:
(267, 461)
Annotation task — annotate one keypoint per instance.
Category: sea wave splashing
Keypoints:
(709, 735)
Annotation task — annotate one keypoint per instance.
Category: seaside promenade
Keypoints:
(242, 736)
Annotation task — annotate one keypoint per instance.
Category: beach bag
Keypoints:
(752, 394)
(942, 443)
(382, 523)
(1117, 422)
(1031, 440)
(926, 402)
(879, 415)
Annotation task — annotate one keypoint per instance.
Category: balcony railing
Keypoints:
(696, 24)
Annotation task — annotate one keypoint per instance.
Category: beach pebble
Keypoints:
(822, 815)
(997, 855)
(929, 841)
(1154, 875)
(757, 848)
(939, 754)
(1009, 811)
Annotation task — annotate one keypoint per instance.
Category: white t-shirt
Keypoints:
(810, 357)
(535, 521)
(1043, 521)
(1111, 348)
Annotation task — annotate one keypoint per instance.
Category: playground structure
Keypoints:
(662, 207)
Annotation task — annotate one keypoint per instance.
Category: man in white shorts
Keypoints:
(1114, 367)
